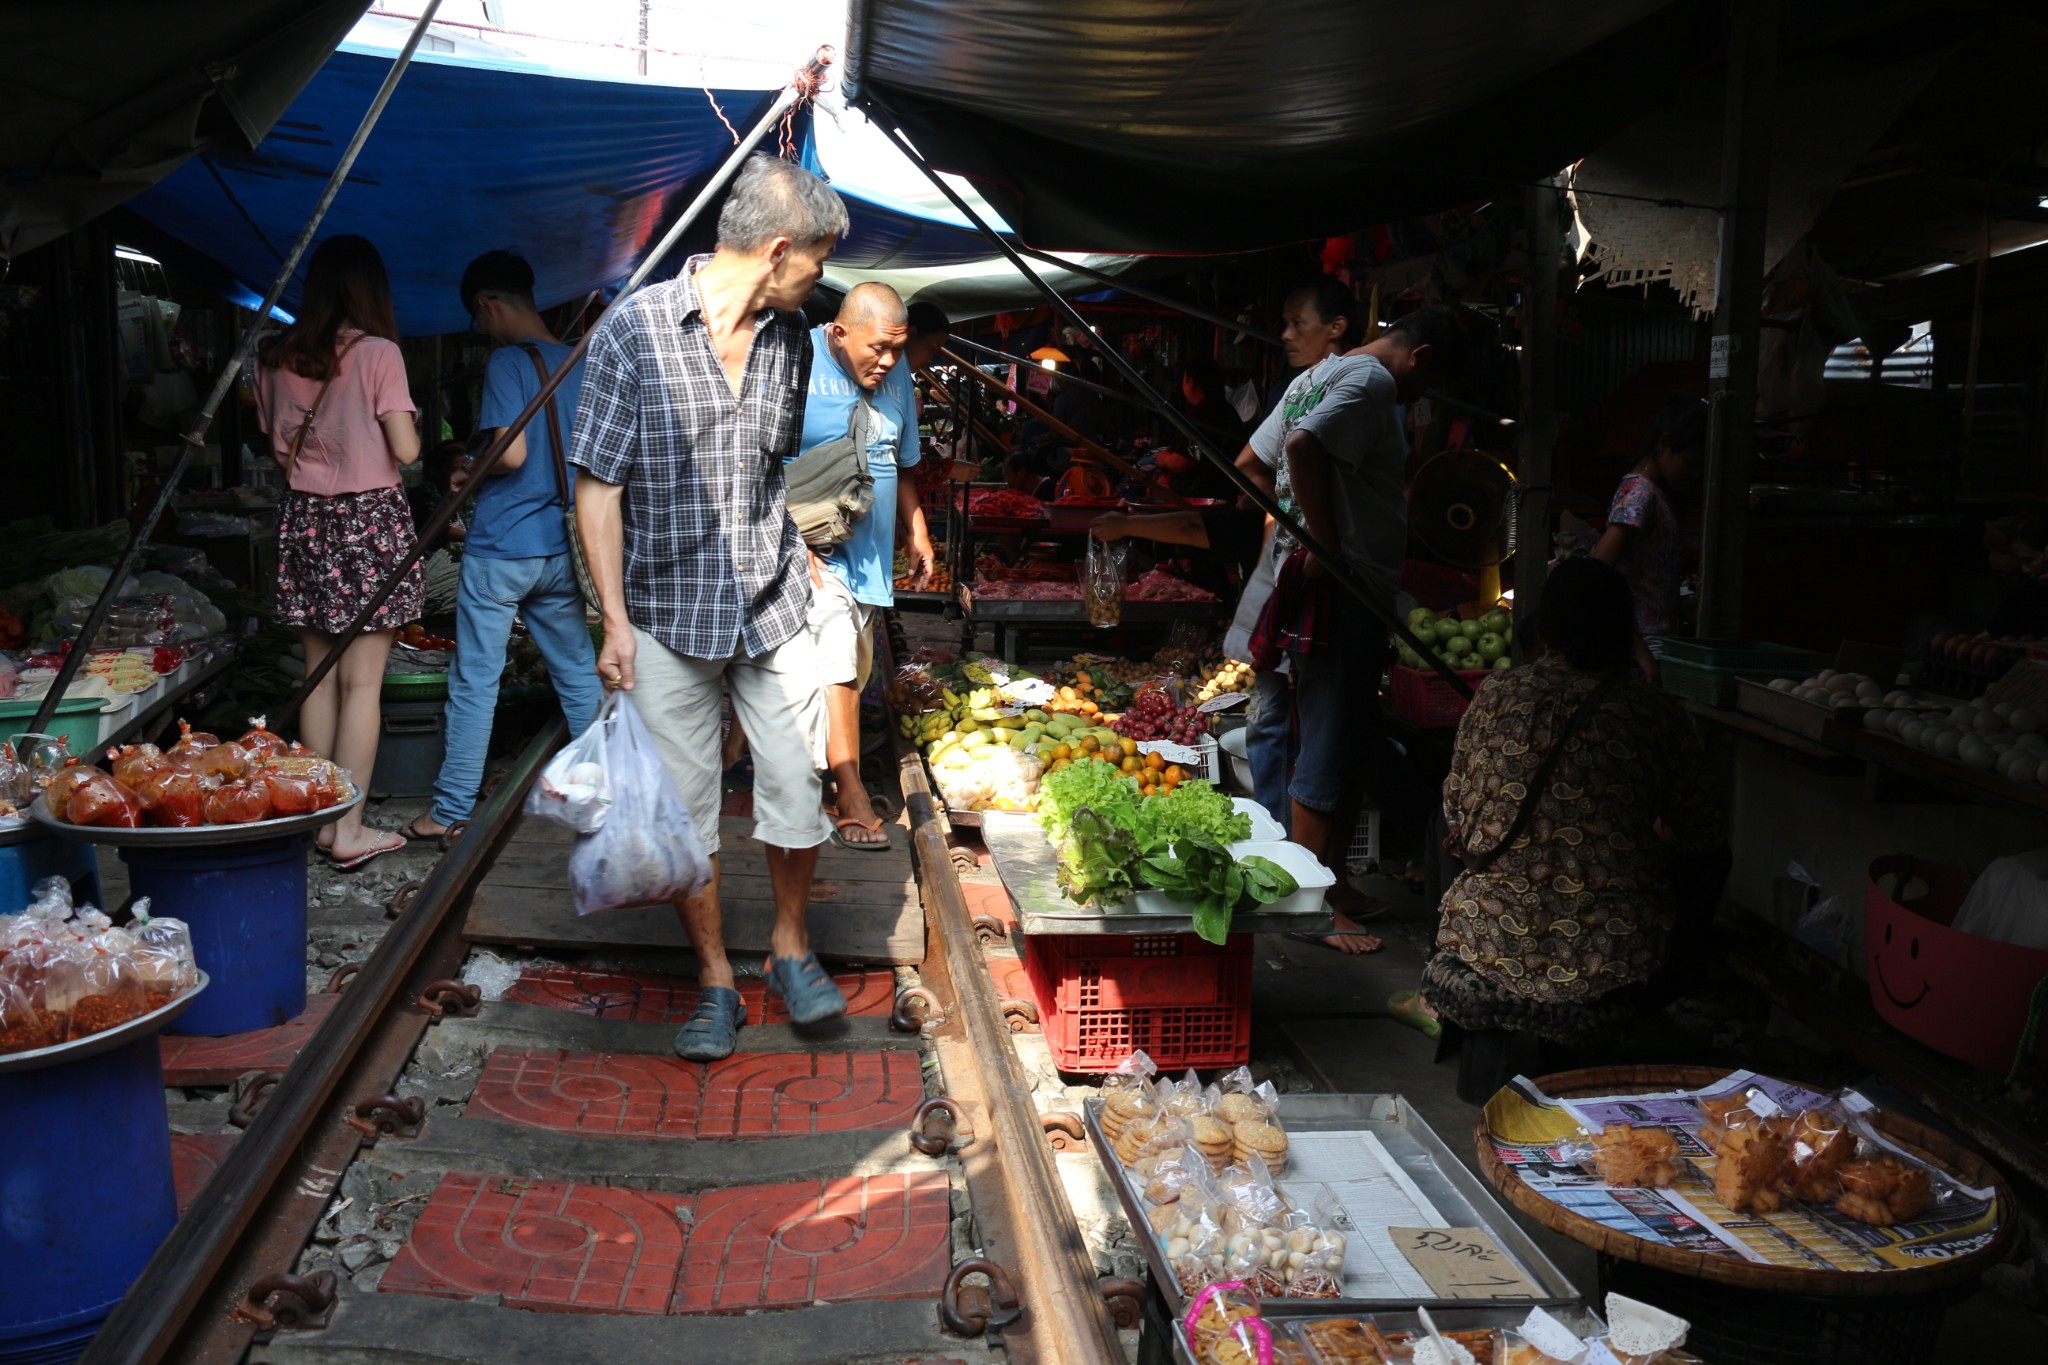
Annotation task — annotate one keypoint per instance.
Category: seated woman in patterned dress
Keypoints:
(1565, 907)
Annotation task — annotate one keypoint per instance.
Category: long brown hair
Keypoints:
(345, 287)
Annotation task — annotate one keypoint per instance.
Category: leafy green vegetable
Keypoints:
(1199, 869)
(1097, 786)
(1194, 807)
(1097, 858)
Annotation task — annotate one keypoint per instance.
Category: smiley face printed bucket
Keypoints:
(1959, 993)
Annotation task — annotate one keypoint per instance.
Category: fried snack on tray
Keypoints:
(1644, 1158)
(1882, 1191)
(1717, 1112)
(1821, 1145)
(1755, 1158)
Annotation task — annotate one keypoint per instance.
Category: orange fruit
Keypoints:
(1060, 751)
(1174, 775)
(1128, 745)
(1130, 765)
(1156, 762)
(1091, 745)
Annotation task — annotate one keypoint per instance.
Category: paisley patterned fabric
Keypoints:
(1581, 904)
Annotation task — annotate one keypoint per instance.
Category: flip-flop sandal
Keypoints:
(839, 827)
(410, 832)
(712, 1031)
(349, 865)
(1323, 941)
(806, 987)
(1407, 1008)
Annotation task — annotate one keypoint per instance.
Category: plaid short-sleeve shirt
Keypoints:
(713, 564)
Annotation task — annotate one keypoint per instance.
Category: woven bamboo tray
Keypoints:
(1918, 1139)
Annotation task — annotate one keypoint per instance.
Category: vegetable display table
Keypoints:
(88, 1194)
(242, 889)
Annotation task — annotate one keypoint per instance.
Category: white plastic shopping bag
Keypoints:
(647, 848)
(573, 789)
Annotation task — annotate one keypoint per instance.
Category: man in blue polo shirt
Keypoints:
(515, 561)
(857, 354)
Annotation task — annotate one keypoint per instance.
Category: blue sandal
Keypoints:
(806, 987)
(713, 1029)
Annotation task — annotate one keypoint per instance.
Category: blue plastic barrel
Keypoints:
(86, 1195)
(246, 904)
(29, 853)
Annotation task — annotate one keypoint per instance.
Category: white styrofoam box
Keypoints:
(1264, 827)
(1232, 743)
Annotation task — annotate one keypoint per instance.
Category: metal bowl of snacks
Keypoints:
(197, 836)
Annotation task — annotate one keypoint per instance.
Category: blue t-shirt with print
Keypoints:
(519, 515)
(865, 563)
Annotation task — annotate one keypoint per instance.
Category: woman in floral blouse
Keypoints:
(1552, 930)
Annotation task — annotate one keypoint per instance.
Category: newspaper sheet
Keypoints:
(1365, 1180)
(1541, 1138)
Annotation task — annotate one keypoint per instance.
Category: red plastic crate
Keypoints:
(1101, 997)
(1421, 696)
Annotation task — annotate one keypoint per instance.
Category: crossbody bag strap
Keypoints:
(291, 456)
(1540, 783)
(540, 370)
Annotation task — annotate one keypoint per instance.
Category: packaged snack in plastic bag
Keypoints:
(45, 755)
(1195, 1255)
(572, 789)
(1240, 1101)
(1753, 1157)
(163, 955)
(1822, 1143)
(22, 1026)
(648, 849)
(1144, 1137)
(172, 798)
(191, 743)
(238, 803)
(58, 789)
(1540, 1339)
(1168, 1175)
(1127, 1094)
(259, 743)
(1224, 1326)
(1880, 1189)
(1250, 1196)
(1103, 583)
(95, 984)
(1643, 1157)
(99, 801)
(1184, 1097)
(15, 792)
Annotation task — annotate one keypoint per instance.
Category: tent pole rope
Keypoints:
(195, 438)
(801, 88)
(1333, 565)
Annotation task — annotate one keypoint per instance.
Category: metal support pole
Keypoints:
(1539, 395)
(484, 463)
(1332, 564)
(196, 438)
(1738, 306)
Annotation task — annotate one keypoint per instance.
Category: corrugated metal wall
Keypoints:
(1616, 335)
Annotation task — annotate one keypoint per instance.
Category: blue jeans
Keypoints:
(1269, 744)
(1344, 748)
(542, 590)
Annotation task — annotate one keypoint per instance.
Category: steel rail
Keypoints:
(807, 81)
(183, 1276)
(68, 670)
(1065, 1317)
(1331, 563)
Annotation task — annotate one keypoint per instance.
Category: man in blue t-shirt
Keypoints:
(516, 560)
(857, 354)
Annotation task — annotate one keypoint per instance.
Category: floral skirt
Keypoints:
(333, 555)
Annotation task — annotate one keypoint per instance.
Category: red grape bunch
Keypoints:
(1152, 715)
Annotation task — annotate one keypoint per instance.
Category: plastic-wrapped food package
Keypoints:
(238, 803)
(229, 762)
(22, 1025)
(191, 743)
(101, 802)
(96, 985)
(172, 798)
(132, 763)
(1315, 1251)
(163, 955)
(1822, 1143)
(15, 792)
(648, 849)
(1224, 1326)
(57, 794)
(1128, 1096)
(259, 743)
(1103, 588)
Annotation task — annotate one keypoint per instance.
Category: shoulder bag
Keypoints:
(291, 456)
(576, 556)
(1539, 784)
(829, 487)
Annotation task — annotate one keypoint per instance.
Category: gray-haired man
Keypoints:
(693, 395)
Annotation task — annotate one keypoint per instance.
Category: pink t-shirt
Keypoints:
(345, 452)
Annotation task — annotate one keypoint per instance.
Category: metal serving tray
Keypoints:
(1457, 1193)
(196, 836)
(1029, 867)
(1581, 1320)
(104, 1041)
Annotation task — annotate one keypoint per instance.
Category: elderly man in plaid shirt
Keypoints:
(693, 395)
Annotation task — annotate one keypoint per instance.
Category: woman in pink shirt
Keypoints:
(331, 392)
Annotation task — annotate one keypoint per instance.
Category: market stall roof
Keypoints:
(99, 101)
(1223, 125)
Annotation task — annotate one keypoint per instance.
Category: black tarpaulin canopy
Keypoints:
(100, 100)
(1223, 125)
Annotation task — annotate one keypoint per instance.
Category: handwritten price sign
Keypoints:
(1463, 1263)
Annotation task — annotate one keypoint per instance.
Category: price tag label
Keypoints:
(1225, 702)
(1029, 691)
(1171, 752)
(1463, 1263)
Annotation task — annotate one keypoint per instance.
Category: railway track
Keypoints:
(538, 1176)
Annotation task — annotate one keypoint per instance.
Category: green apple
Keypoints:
(1471, 630)
(1410, 657)
(1490, 644)
(1457, 647)
(1496, 621)
(1503, 662)
(1447, 630)
(1420, 617)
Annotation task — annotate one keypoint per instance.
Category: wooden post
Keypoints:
(1738, 307)
(1539, 396)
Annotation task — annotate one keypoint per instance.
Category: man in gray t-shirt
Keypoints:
(1340, 455)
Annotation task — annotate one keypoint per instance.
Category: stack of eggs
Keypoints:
(1999, 737)
(1835, 689)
